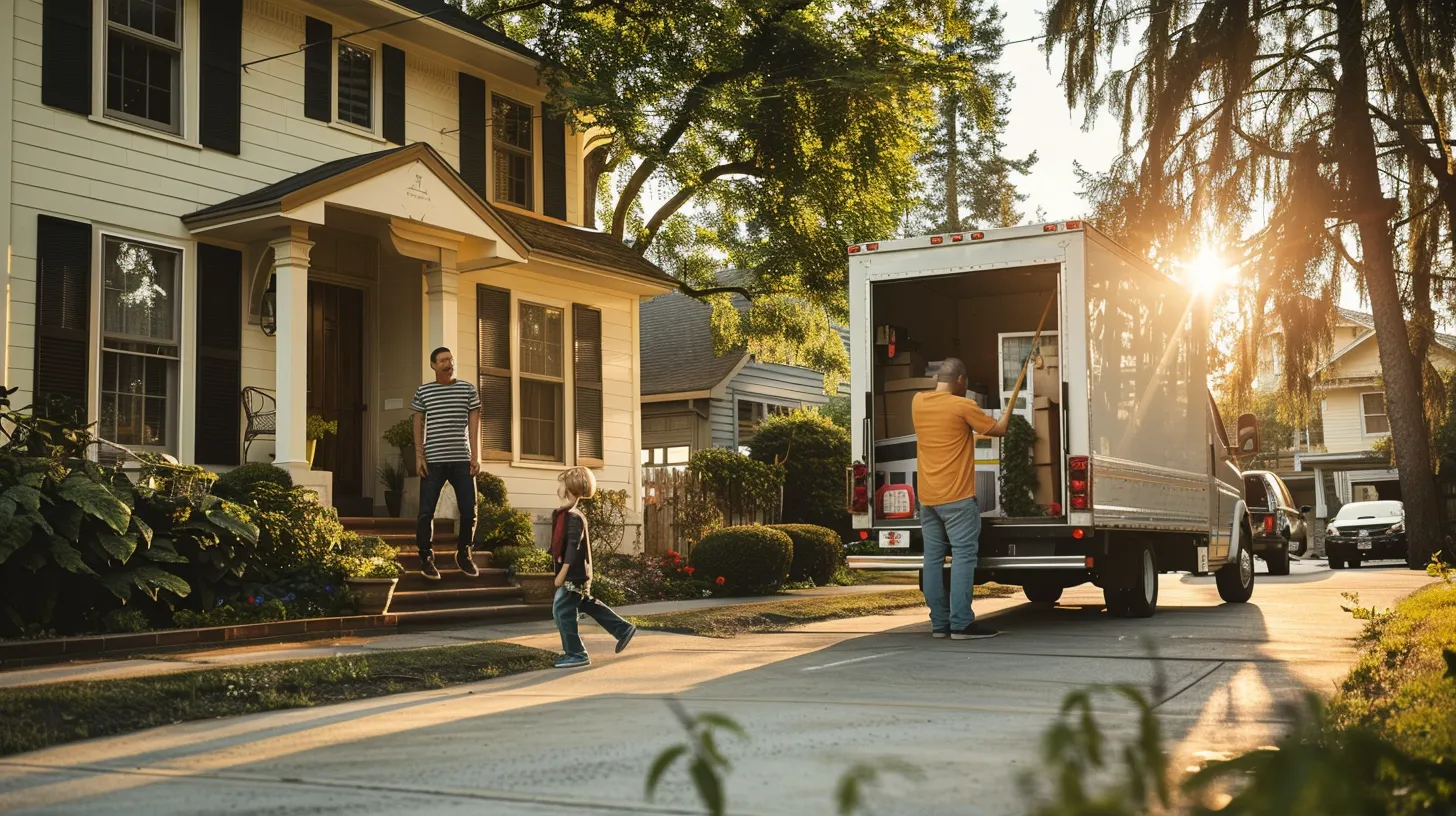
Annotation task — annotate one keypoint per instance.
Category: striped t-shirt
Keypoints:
(447, 410)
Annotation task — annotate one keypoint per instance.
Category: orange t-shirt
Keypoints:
(945, 438)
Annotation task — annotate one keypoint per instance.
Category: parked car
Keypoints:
(1279, 527)
(1363, 531)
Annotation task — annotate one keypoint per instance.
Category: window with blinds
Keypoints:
(543, 382)
(511, 147)
(587, 373)
(356, 85)
(493, 342)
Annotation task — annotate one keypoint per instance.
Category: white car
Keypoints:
(1362, 531)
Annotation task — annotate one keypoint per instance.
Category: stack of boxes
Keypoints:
(898, 381)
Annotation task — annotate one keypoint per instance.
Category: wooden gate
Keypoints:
(678, 510)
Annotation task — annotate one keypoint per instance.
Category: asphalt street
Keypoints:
(814, 702)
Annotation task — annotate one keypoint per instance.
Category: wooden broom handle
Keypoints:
(1021, 379)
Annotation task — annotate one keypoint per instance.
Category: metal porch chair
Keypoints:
(261, 410)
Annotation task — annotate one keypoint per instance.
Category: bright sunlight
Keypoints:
(1208, 273)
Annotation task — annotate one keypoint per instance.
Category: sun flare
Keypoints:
(1208, 273)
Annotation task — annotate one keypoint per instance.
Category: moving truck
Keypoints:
(1135, 472)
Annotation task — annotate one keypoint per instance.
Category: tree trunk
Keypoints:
(950, 112)
(1355, 142)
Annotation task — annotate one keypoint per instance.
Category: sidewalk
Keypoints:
(174, 662)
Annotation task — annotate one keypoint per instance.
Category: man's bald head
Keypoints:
(951, 376)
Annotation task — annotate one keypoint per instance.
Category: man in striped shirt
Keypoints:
(447, 433)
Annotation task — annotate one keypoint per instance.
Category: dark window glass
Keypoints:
(356, 85)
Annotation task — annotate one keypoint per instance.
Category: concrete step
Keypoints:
(503, 613)
(380, 525)
(450, 578)
(440, 541)
(454, 598)
(444, 557)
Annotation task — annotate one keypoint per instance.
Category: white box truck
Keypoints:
(1135, 472)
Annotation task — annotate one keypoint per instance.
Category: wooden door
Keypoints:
(336, 386)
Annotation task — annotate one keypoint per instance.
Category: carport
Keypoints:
(1346, 470)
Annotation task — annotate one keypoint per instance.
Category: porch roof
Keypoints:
(1352, 460)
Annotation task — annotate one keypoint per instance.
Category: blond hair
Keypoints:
(579, 482)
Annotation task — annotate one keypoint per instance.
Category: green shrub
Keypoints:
(491, 489)
(522, 559)
(814, 453)
(1018, 474)
(818, 552)
(318, 428)
(751, 560)
(606, 518)
(606, 589)
(736, 482)
(237, 484)
(498, 526)
(401, 436)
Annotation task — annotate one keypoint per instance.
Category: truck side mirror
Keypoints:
(1304, 509)
(1248, 434)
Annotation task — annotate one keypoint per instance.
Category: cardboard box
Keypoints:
(1047, 382)
(914, 359)
(899, 396)
(891, 372)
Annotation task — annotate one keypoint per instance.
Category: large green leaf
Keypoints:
(227, 518)
(14, 533)
(118, 584)
(164, 551)
(68, 557)
(120, 547)
(24, 496)
(66, 518)
(153, 579)
(96, 499)
(143, 529)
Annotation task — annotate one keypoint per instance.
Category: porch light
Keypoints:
(269, 318)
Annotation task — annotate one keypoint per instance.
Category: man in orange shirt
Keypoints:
(946, 426)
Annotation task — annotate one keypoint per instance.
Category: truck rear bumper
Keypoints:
(911, 563)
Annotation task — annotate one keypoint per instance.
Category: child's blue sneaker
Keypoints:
(627, 638)
(572, 662)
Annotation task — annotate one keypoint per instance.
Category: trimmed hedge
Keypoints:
(497, 526)
(751, 560)
(491, 488)
(818, 552)
(238, 483)
(814, 453)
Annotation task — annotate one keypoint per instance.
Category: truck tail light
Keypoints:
(1079, 482)
(1269, 524)
(857, 488)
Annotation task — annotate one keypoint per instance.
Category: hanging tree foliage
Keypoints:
(1325, 123)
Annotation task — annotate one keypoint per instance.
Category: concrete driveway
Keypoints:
(814, 702)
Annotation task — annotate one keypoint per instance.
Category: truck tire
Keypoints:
(1139, 599)
(1042, 593)
(1336, 563)
(1278, 562)
(1236, 579)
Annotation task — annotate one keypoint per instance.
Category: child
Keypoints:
(571, 553)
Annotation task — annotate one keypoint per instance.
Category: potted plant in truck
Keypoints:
(371, 578)
(528, 567)
(391, 474)
(318, 428)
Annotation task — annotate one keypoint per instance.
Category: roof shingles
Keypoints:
(677, 347)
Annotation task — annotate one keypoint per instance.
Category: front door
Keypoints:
(336, 388)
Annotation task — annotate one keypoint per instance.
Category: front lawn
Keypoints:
(33, 717)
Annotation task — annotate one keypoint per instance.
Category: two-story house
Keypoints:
(204, 196)
(695, 398)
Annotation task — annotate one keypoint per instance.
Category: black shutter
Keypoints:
(553, 165)
(394, 94)
(221, 85)
(318, 69)
(65, 69)
(62, 318)
(219, 354)
(472, 132)
(493, 340)
(586, 330)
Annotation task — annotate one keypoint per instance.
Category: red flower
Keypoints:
(720, 580)
(688, 570)
(671, 554)
(676, 560)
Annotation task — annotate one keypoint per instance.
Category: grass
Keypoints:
(1404, 684)
(776, 616)
(33, 717)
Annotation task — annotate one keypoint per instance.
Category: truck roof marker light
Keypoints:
(854, 249)
(976, 236)
(1049, 228)
(956, 239)
(937, 239)
(872, 247)
(1074, 225)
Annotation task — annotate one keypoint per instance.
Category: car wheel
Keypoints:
(1278, 562)
(1236, 579)
(1352, 563)
(1042, 593)
(1336, 563)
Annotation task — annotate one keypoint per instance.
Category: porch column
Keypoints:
(442, 290)
(1319, 494)
(290, 265)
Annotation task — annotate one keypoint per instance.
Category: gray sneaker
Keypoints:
(572, 662)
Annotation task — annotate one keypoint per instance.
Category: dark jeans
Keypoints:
(564, 609)
(458, 475)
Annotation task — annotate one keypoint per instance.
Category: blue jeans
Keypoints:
(458, 475)
(564, 609)
(955, 526)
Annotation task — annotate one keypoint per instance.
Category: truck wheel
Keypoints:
(1139, 599)
(1236, 579)
(1042, 593)
(1278, 562)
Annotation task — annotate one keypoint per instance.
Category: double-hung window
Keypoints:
(144, 62)
(511, 140)
(1372, 408)
(543, 382)
(356, 85)
(751, 414)
(139, 344)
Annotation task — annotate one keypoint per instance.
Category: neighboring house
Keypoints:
(201, 196)
(693, 398)
(1345, 467)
